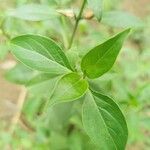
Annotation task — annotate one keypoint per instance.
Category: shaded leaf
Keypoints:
(20, 74)
(104, 122)
(42, 85)
(33, 12)
(121, 19)
(42, 77)
(59, 115)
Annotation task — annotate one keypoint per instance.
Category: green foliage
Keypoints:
(96, 6)
(67, 82)
(42, 84)
(43, 46)
(121, 19)
(102, 57)
(33, 12)
(70, 87)
(40, 56)
(19, 74)
(104, 122)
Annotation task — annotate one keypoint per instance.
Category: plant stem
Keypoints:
(77, 23)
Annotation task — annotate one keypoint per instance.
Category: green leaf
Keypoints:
(42, 85)
(121, 19)
(42, 77)
(44, 46)
(101, 58)
(33, 12)
(69, 88)
(44, 56)
(19, 74)
(104, 122)
(59, 115)
(73, 57)
(96, 6)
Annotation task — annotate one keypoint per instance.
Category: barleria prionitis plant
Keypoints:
(102, 119)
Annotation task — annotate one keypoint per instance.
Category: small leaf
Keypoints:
(70, 87)
(33, 12)
(96, 6)
(104, 122)
(101, 58)
(121, 19)
(41, 56)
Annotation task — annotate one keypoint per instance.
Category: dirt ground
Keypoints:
(9, 92)
(140, 8)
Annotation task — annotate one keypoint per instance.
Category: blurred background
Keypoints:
(22, 125)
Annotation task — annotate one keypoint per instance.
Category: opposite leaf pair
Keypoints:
(102, 119)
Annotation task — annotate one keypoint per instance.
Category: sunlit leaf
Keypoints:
(39, 53)
(70, 87)
(101, 58)
(43, 45)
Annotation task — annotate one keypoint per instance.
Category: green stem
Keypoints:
(77, 23)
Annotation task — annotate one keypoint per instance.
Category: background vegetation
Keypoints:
(23, 126)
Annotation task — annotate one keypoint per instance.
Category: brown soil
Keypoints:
(140, 8)
(8, 92)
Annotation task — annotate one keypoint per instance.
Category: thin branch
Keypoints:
(79, 17)
(20, 103)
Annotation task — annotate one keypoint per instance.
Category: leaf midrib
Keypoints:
(104, 122)
(41, 56)
(105, 53)
(110, 113)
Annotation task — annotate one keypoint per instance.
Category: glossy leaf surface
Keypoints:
(104, 122)
(101, 58)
